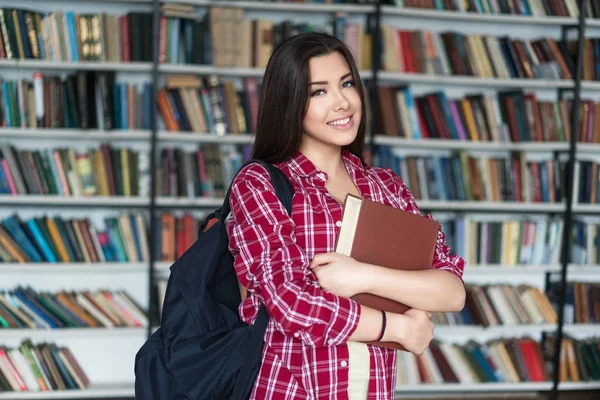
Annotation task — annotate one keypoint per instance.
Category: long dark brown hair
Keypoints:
(284, 96)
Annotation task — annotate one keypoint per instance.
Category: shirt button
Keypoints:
(338, 224)
(344, 364)
(330, 342)
(296, 335)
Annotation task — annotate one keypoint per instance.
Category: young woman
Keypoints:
(311, 125)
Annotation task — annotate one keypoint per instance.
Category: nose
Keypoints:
(341, 102)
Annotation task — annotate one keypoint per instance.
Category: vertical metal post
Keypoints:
(374, 83)
(153, 140)
(568, 218)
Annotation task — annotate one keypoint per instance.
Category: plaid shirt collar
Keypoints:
(302, 166)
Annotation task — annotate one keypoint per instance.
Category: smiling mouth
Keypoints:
(343, 123)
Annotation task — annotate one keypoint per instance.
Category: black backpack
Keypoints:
(203, 350)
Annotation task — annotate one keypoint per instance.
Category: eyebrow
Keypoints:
(325, 82)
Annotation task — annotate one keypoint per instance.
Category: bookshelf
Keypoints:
(141, 275)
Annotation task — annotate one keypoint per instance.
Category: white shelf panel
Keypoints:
(191, 137)
(478, 387)
(74, 268)
(473, 206)
(185, 202)
(586, 208)
(496, 331)
(456, 16)
(78, 333)
(49, 200)
(93, 392)
(77, 66)
(75, 134)
(518, 269)
(579, 385)
(446, 144)
(473, 81)
(269, 6)
(208, 69)
(582, 329)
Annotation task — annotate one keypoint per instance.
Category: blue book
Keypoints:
(13, 226)
(41, 241)
(38, 310)
(72, 35)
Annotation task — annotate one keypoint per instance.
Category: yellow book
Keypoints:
(468, 112)
(57, 239)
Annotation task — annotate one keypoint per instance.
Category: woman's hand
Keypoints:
(339, 274)
(413, 330)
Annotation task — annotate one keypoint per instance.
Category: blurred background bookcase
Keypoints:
(461, 95)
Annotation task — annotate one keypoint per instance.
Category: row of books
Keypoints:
(57, 239)
(501, 304)
(82, 100)
(534, 8)
(507, 242)
(468, 177)
(582, 302)
(189, 103)
(105, 171)
(42, 367)
(510, 116)
(205, 172)
(588, 182)
(69, 36)
(484, 56)
(25, 308)
(511, 360)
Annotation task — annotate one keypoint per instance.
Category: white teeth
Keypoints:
(340, 122)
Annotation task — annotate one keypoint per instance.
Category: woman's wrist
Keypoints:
(394, 331)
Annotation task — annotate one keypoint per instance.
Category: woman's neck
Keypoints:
(330, 162)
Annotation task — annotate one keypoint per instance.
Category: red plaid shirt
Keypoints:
(305, 356)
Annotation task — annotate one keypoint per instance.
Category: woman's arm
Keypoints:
(433, 290)
(439, 289)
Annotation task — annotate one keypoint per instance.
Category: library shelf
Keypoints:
(80, 201)
(87, 333)
(117, 390)
(76, 65)
(451, 144)
(483, 206)
(194, 137)
(280, 6)
(75, 134)
(459, 16)
(75, 268)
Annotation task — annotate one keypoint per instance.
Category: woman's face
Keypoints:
(334, 107)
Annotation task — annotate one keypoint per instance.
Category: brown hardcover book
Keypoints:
(378, 234)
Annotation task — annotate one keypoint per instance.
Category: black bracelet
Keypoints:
(383, 323)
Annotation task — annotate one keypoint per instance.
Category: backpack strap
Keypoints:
(245, 380)
(283, 187)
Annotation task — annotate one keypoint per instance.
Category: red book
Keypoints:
(378, 234)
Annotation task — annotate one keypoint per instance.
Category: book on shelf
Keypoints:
(66, 171)
(511, 116)
(533, 8)
(79, 100)
(579, 359)
(450, 53)
(466, 176)
(382, 235)
(582, 302)
(510, 360)
(175, 234)
(52, 239)
(25, 308)
(501, 304)
(70, 36)
(43, 367)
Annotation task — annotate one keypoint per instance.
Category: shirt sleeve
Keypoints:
(270, 263)
(442, 259)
